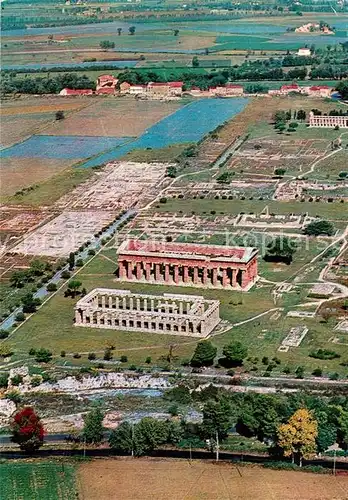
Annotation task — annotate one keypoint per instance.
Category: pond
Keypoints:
(188, 124)
(62, 147)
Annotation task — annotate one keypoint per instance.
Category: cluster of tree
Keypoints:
(37, 268)
(49, 85)
(205, 353)
(282, 119)
(342, 88)
(319, 227)
(281, 249)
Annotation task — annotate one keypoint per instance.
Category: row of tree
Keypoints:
(295, 425)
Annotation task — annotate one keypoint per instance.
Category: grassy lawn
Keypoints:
(329, 211)
(51, 190)
(37, 481)
(167, 154)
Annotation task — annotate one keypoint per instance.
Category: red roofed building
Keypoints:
(186, 264)
(286, 89)
(175, 88)
(106, 84)
(69, 92)
(319, 91)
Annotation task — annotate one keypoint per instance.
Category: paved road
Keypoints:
(95, 245)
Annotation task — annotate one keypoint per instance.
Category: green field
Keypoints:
(37, 481)
(331, 211)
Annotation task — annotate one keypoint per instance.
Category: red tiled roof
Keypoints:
(293, 86)
(176, 84)
(319, 87)
(158, 84)
(233, 86)
(106, 77)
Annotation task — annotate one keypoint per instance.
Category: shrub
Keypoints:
(334, 376)
(32, 351)
(91, 251)
(43, 355)
(3, 380)
(163, 200)
(265, 360)
(324, 354)
(65, 275)
(148, 360)
(133, 367)
(51, 287)
(124, 359)
(107, 355)
(62, 354)
(16, 379)
(4, 334)
(91, 356)
(317, 372)
(20, 317)
(77, 355)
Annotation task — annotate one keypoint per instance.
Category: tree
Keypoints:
(51, 287)
(342, 88)
(93, 429)
(216, 419)
(319, 227)
(30, 303)
(327, 435)
(149, 433)
(281, 249)
(60, 115)
(73, 286)
(195, 62)
(131, 30)
(298, 437)
(280, 171)
(234, 353)
(106, 44)
(27, 430)
(176, 32)
(19, 278)
(122, 439)
(71, 261)
(204, 354)
(43, 355)
(119, 31)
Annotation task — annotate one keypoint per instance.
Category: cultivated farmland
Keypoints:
(147, 479)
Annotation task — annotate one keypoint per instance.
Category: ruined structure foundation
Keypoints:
(187, 264)
(189, 315)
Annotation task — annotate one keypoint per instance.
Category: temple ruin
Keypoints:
(327, 121)
(187, 264)
(189, 315)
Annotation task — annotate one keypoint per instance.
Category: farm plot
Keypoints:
(64, 234)
(146, 479)
(119, 186)
(37, 481)
(114, 117)
(62, 147)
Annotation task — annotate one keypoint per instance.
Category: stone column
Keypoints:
(224, 278)
(157, 272)
(98, 318)
(176, 274)
(110, 301)
(244, 278)
(131, 304)
(145, 304)
(181, 307)
(152, 304)
(195, 275)
(166, 273)
(121, 270)
(103, 301)
(205, 275)
(234, 278)
(117, 303)
(139, 271)
(124, 303)
(148, 271)
(214, 278)
(186, 275)
(130, 270)
(77, 317)
(138, 304)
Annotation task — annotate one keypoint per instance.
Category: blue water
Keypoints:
(188, 124)
(94, 64)
(62, 147)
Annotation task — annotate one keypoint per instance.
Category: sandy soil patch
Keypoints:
(17, 173)
(150, 479)
(118, 117)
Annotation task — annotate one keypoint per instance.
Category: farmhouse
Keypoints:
(189, 315)
(167, 89)
(229, 90)
(106, 84)
(186, 264)
(318, 90)
(327, 121)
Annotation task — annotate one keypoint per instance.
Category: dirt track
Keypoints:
(154, 479)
